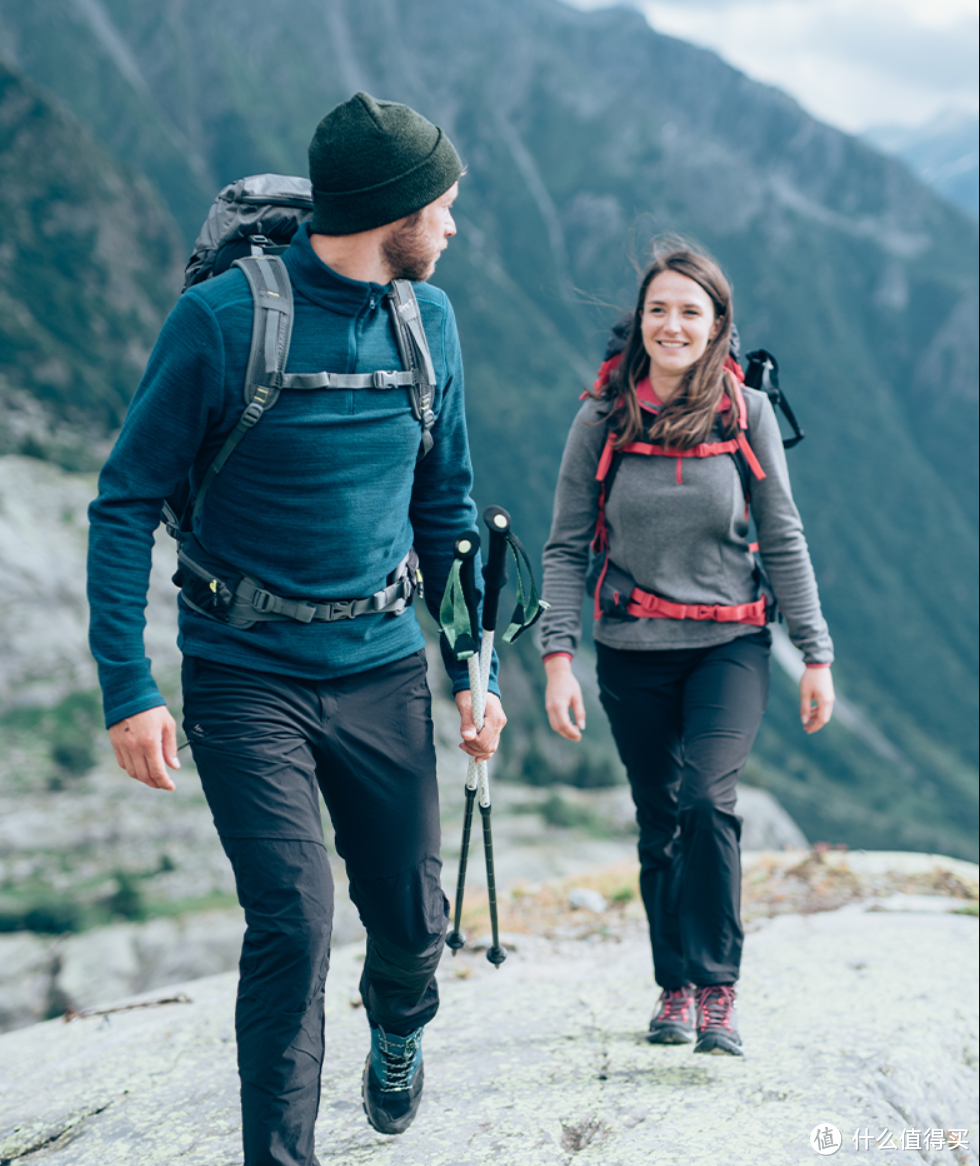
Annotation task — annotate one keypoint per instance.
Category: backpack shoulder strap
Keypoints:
(742, 435)
(413, 347)
(272, 327)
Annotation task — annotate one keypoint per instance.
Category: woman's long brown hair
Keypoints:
(687, 419)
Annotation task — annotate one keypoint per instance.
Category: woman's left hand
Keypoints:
(816, 698)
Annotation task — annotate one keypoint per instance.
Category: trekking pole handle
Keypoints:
(466, 549)
(495, 572)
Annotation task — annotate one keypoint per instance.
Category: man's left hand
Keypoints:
(482, 745)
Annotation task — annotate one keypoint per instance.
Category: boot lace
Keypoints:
(674, 1004)
(715, 1005)
(399, 1061)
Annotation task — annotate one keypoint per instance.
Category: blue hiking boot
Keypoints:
(393, 1077)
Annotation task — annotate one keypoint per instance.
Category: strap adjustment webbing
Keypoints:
(382, 379)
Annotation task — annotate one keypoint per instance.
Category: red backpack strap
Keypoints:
(743, 413)
(601, 539)
(606, 371)
(602, 377)
(734, 367)
(743, 441)
(605, 458)
(753, 461)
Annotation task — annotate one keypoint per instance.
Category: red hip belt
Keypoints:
(618, 596)
(646, 605)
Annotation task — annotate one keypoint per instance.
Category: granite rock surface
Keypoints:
(862, 1018)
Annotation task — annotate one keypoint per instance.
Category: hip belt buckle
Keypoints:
(263, 601)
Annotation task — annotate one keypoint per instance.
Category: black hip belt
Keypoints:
(231, 597)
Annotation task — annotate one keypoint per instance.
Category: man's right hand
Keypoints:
(145, 744)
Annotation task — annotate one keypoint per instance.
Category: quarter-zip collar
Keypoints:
(326, 288)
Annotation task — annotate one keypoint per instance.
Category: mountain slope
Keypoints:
(581, 130)
(87, 270)
(943, 152)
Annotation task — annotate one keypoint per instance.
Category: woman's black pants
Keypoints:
(684, 722)
(266, 747)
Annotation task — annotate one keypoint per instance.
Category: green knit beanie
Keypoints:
(372, 162)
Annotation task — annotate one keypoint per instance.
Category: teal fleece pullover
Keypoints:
(321, 500)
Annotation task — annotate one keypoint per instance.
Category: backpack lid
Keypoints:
(271, 206)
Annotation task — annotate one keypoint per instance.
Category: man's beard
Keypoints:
(407, 253)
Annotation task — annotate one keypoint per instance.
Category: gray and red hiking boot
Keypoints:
(716, 1020)
(393, 1076)
(672, 1022)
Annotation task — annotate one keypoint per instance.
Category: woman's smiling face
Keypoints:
(678, 322)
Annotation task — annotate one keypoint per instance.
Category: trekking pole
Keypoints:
(478, 774)
(494, 577)
(465, 550)
(457, 620)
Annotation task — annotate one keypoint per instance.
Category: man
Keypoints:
(322, 501)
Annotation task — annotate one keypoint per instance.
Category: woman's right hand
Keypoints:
(564, 691)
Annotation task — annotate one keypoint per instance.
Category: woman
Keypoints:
(664, 463)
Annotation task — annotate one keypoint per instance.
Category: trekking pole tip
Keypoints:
(497, 955)
(455, 940)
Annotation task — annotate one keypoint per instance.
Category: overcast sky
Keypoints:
(853, 63)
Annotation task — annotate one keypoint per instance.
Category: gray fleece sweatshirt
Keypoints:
(683, 540)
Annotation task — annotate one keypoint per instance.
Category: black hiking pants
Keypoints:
(266, 747)
(684, 722)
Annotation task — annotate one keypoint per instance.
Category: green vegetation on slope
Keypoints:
(87, 267)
